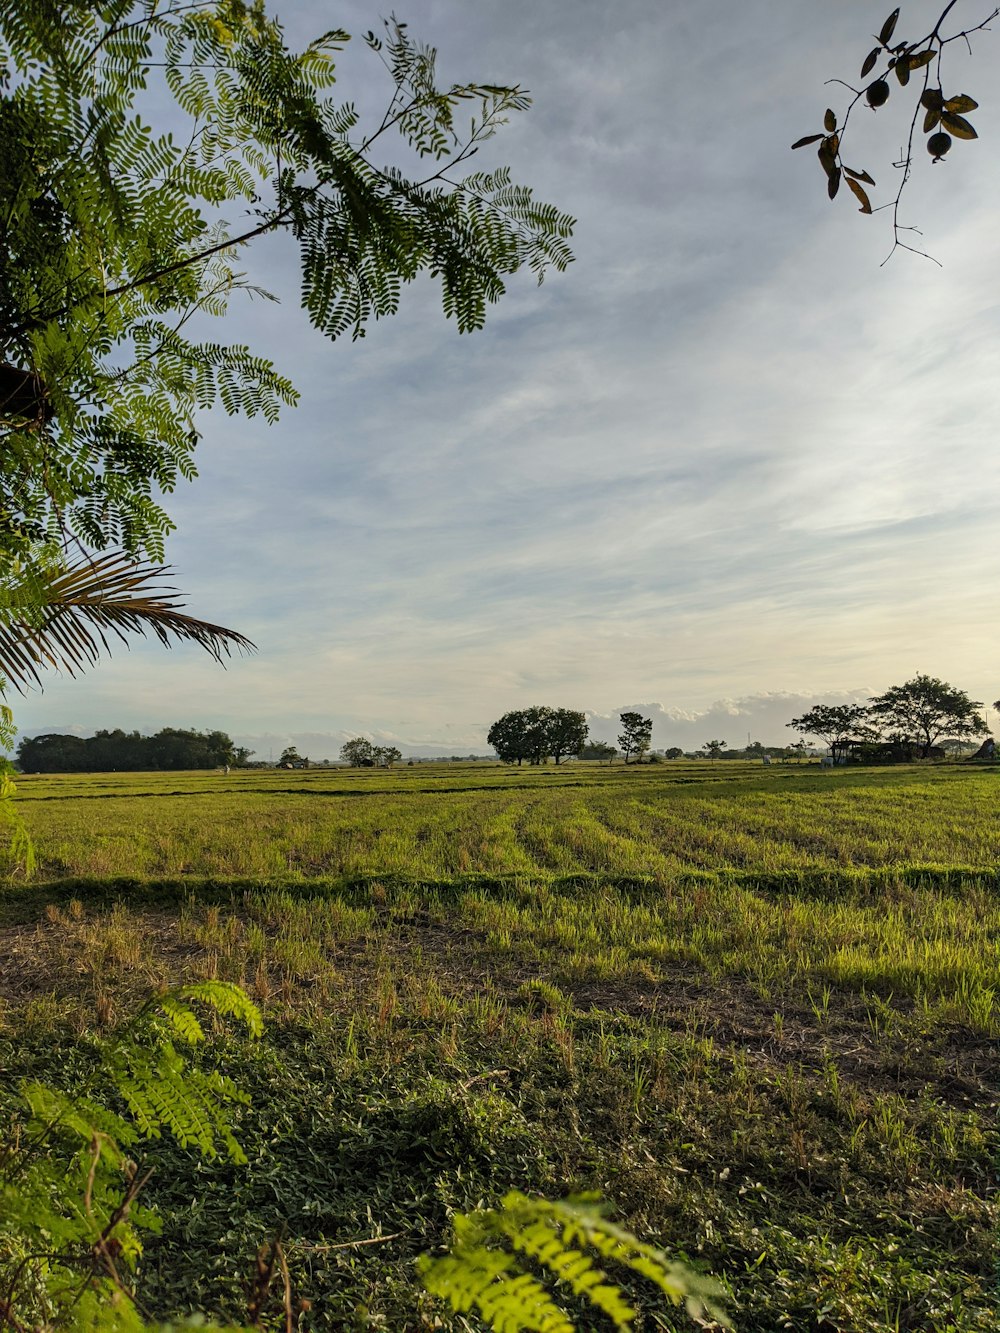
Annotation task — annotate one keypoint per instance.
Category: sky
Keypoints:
(729, 464)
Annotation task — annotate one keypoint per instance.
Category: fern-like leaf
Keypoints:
(164, 1094)
(477, 1275)
(490, 1283)
(225, 997)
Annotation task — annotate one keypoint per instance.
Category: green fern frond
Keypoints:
(181, 1018)
(490, 1283)
(162, 1093)
(80, 1117)
(475, 1274)
(582, 1220)
(225, 997)
(64, 1214)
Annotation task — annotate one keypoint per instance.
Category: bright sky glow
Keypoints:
(726, 457)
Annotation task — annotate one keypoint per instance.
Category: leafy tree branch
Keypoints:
(111, 236)
(893, 60)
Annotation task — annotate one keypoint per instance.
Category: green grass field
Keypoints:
(756, 1008)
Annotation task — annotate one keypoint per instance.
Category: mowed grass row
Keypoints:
(922, 948)
(433, 822)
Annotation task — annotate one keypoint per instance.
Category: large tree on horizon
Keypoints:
(566, 733)
(924, 709)
(538, 733)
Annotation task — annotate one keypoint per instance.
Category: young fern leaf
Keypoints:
(582, 1220)
(225, 997)
(162, 1093)
(490, 1283)
(476, 1275)
(182, 1018)
(78, 1117)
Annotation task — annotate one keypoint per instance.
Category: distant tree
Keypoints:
(241, 756)
(956, 747)
(925, 708)
(124, 752)
(566, 732)
(674, 752)
(221, 746)
(508, 737)
(834, 722)
(800, 749)
(359, 752)
(635, 736)
(385, 756)
(597, 750)
(536, 733)
(714, 749)
(289, 756)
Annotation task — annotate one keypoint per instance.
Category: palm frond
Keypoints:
(67, 614)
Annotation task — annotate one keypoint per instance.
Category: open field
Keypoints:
(441, 821)
(757, 1009)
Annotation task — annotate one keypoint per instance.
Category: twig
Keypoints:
(286, 1289)
(481, 1078)
(347, 1244)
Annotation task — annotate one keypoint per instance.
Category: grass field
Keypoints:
(756, 1008)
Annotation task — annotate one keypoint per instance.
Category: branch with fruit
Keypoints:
(944, 114)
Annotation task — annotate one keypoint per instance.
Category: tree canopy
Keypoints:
(115, 253)
(598, 750)
(538, 733)
(833, 722)
(918, 712)
(636, 735)
(121, 751)
(360, 752)
(924, 709)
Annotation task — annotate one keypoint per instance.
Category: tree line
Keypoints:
(128, 751)
(910, 717)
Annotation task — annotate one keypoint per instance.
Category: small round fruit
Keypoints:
(877, 93)
(938, 144)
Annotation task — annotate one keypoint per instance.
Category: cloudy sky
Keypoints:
(725, 466)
